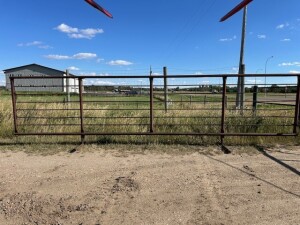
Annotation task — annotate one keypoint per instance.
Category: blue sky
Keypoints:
(185, 36)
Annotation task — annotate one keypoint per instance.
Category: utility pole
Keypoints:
(240, 96)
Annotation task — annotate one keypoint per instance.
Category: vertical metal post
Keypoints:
(166, 89)
(151, 105)
(254, 103)
(223, 109)
(297, 105)
(81, 110)
(14, 102)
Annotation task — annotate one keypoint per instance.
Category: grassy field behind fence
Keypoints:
(124, 114)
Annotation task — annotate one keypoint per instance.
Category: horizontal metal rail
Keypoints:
(160, 134)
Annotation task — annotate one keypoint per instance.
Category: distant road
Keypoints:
(279, 99)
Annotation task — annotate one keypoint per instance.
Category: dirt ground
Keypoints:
(93, 185)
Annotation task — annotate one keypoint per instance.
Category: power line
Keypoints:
(185, 31)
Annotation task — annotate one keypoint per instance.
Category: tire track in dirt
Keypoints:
(163, 196)
(209, 208)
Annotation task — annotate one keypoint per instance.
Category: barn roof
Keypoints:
(34, 64)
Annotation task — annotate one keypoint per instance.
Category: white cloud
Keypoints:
(99, 60)
(198, 73)
(76, 56)
(253, 81)
(89, 74)
(103, 82)
(73, 68)
(1, 72)
(94, 74)
(227, 39)
(261, 36)
(205, 82)
(282, 26)
(85, 56)
(34, 43)
(45, 46)
(119, 63)
(286, 39)
(76, 33)
(98, 82)
(156, 74)
(38, 44)
(294, 71)
(66, 29)
(58, 57)
(90, 32)
(290, 64)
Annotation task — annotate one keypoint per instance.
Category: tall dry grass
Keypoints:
(111, 118)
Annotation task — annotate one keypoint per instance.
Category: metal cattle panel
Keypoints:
(198, 105)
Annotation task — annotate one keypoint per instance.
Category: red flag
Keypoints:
(236, 9)
(95, 5)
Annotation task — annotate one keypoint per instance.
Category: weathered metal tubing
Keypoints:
(162, 134)
(81, 110)
(118, 125)
(151, 105)
(254, 99)
(14, 103)
(20, 109)
(223, 109)
(157, 124)
(161, 76)
(47, 125)
(166, 89)
(219, 110)
(21, 102)
(47, 117)
(296, 119)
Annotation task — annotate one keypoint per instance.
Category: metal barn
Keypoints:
(38, 85)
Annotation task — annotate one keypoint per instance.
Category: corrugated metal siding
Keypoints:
(52, 85)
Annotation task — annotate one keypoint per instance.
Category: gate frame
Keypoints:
(222, 134)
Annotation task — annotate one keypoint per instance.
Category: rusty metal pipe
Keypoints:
(14, 103)
(81, 110)
(151, 106)
(296, 119)
(223, 110)
(163, 134)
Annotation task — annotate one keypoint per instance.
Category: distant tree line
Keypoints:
(274, 88)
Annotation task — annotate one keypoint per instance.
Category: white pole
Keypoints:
(68, 86)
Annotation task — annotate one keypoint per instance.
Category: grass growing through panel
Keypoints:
(130, 114)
